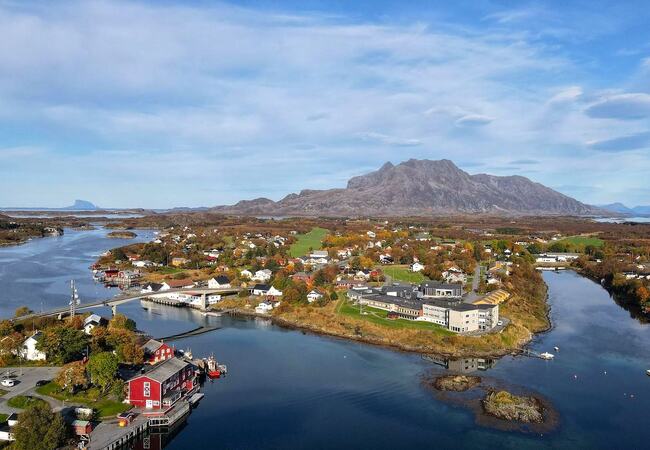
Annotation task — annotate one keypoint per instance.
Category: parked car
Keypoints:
(42, 382)
(500, 322)
(8, 382)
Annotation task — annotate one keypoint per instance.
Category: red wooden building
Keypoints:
(156, 351)
(163, 385)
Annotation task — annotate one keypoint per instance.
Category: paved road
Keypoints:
(26, 378)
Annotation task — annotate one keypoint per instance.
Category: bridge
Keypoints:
(121, 299)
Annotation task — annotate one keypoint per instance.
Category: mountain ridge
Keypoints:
(420, 187)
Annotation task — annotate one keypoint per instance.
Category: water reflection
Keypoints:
(461, 365)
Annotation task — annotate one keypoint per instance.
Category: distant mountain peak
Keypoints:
(422, 187)
(82, 205)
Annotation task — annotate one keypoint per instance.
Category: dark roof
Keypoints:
(154, 286)
(165, 370)
(439, 285)
(222, 279)
(261, 287)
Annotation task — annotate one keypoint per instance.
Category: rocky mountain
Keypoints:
(420, 187)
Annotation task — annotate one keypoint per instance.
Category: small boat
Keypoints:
(214, 369)
(647, 372)
(546, 355)
(557, 349)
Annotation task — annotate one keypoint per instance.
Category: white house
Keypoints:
(273, 292)
(262, 275)
(246, 274)
(263, 308)
(314, 296)
(151, 288)
(371, 234)
(92, 321)
(417, 267)
(29, 350)
(260, 289)
(220, 282)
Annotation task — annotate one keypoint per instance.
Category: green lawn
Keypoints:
(3, 417)
(583, 241)
(2, 392)
(379, 316)
(23, 401)
(312, 240)
(105, 407)
(403, 273)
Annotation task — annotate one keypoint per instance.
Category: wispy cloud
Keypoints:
(622, 143)
(630, 106)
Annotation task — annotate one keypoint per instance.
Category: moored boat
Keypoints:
(546, 355)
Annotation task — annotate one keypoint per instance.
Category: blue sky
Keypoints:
(162, 103)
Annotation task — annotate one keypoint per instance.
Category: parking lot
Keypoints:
(25, 379)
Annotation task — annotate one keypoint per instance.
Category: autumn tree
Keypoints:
(130, 353)
(72, 375)
(120, 321)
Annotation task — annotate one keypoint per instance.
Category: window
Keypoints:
(146, 388)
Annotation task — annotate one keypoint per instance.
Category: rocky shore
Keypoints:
(506, 406)
(121, 235)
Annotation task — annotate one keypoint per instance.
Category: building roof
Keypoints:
(222, 279)
(439, 285)
(180, 283)
(261, 287)
(153, 286)
(151, 346)
(93, 318)
(164, 370)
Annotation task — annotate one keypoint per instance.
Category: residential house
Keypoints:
(247, 274)
(417, 267)
(151, 288)
(178, 261)
(262, 276)
(29, 350)
(177, 284)
(93, 321)
(273, 292)
(156, 351)
(219, 282)
(314, 296)
(260, 289)
(304, 277)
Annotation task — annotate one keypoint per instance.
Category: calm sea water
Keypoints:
(287, 389)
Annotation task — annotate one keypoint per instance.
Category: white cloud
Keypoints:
(630, 106)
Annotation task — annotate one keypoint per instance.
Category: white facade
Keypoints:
(29, 350)
(417, 267)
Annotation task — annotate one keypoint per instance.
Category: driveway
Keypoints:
(26, 378)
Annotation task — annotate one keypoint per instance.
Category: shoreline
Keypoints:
(287, 324)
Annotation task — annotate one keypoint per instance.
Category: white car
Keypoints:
(500, 322)
(8, 382)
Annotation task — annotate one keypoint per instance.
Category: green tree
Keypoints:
(63, 344)
(102, 369)
(39, 429)
(119, 255)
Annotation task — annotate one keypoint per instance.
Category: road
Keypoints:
(26, 378)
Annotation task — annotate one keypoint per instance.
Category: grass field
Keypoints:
(105, 407)
(583, 241)
(23, 401)
(379, 317)
(402, 273)
(306, 241)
